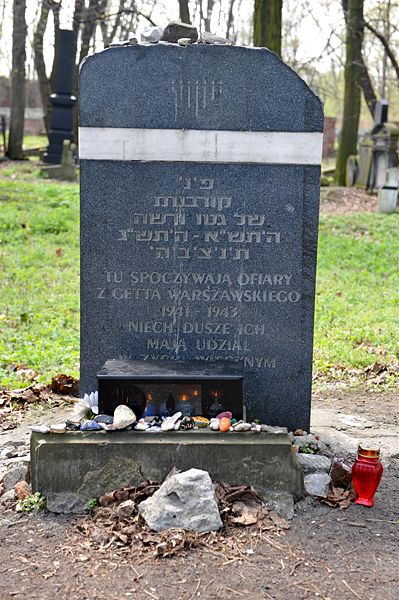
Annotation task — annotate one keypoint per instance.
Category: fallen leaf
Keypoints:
(65, 384)
(339, 497)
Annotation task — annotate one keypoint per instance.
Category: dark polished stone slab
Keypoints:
(200, 261)
(179, 370)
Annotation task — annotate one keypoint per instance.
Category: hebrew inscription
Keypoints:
(218, 227)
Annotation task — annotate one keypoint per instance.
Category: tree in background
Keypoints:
(184, 12)
(45, 83)
(17, 116)
(114, 20)
(267, 24)
(352, 89)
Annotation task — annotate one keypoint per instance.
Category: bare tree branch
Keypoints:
(386, 46)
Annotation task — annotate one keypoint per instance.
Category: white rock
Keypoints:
(152, 34)
(184, 41)
(123, 417)
(186, 500)
(214, 424)
(58, 428)
(242, 427)
(39, 428)
(211, 38)
(318, 484)
(169, 423)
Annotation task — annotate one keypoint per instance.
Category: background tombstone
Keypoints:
(199, 215)
(62, 98)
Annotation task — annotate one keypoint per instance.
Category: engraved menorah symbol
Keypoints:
(196, 95)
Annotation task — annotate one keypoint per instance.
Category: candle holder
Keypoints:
(366, 475)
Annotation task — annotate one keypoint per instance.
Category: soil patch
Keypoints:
(327, 552)
(345, 201)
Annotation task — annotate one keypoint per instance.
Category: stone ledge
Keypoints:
(73, 468)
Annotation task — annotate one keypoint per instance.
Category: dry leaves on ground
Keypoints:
(374, 374)
(65, 385)
(345, 201)
(339, 497)
(117, 524)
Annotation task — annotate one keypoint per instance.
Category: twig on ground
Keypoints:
(297, 564)
(231, 560)
(234, 591)
(383, 521)
(138, 575)
(150, 594)
(351, 589)
(195, 591)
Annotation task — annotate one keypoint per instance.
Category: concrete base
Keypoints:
(72, 468)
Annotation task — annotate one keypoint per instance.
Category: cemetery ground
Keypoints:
(327, 552)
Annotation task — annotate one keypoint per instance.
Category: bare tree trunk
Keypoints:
(209, 9)
(184, 11)
(89, 27)
(56, 15)
(387, 33)
(365, 81)
(352, 92)
(17, 117)
(267, 24)
(40, 66)
(230, 19)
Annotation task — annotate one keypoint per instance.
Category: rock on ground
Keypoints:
(313, 463)
(185, 500)
(317, 484)
(13, 476)
(7, 496)
(281, 502)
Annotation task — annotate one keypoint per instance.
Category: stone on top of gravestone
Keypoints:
(200, 170)
(175, 30)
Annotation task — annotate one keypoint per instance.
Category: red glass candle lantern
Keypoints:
(366, 475)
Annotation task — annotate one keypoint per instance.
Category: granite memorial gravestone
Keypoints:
(200, 172)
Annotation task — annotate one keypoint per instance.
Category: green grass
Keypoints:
(39, 278)
(35, 141)
(357, 307)
(357, 302)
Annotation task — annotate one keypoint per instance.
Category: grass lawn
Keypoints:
(39, 276)
(357, 308)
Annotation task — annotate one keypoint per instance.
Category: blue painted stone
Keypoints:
(194, 290)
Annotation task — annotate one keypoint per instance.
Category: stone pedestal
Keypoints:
(73, 468)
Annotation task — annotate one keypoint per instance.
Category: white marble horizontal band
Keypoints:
(195, 145)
